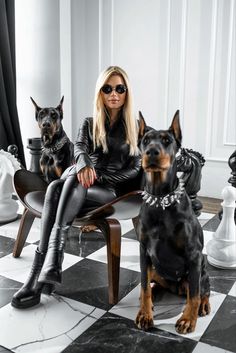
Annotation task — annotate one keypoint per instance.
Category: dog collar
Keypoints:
(167, 200)
(57, 146)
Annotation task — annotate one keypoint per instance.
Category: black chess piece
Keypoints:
(190, 163)
(35, 147)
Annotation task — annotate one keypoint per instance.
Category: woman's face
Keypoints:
(114, 100)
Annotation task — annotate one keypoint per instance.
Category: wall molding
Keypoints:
(211, 85)
(228, 75)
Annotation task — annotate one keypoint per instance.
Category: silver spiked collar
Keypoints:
(167, 200)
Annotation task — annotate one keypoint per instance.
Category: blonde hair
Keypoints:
(99, 112)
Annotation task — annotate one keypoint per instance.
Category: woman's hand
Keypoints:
(87, 176)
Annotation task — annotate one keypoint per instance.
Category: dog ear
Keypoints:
(60, 106)
(142, 126)
(175, 128)
(37, 108)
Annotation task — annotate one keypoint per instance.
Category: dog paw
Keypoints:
(144, 320)
(185, 325)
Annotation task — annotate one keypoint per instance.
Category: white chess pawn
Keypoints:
(221, 250)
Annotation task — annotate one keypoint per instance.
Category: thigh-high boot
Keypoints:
(72, 199)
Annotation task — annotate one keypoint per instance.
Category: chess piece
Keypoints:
(221, 250)
(232, 179)
(35, 147)
(190, 163)
(8, 206)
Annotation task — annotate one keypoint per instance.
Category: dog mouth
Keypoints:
(47, 138)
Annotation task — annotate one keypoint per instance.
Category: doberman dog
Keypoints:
(170, 236)
(57, 149)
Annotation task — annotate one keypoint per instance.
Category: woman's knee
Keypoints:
(54, 189)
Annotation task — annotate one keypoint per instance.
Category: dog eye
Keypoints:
(166, 141)
(145, 141)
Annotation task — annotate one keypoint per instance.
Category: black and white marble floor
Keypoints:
(78, 318)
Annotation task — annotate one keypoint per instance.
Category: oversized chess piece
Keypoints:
(221, 250)
(190, 163)
(8, 206)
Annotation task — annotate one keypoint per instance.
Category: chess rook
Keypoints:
(221, 250)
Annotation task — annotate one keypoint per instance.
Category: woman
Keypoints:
(106, 155)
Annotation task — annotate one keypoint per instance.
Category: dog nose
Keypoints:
(152, 152)
(46, 124)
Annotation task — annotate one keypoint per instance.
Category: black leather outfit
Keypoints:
(65, 198)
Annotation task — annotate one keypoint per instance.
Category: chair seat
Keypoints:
(122, 208)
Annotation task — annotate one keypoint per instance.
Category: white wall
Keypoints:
(37, 61)
(179, 54)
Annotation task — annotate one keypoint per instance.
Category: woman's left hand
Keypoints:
(87, 176)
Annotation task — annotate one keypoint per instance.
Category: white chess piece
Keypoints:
(221, 250)
(8, 206)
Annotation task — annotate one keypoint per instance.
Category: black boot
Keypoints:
(30, 293)
(51, 271)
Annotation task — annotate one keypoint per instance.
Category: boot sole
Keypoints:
(27, 303)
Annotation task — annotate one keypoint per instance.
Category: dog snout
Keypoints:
(152, 152)
(46, 124)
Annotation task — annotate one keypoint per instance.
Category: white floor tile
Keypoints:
(205, 348)
(49, 327)
(11, 229)
(167, 311)
(18, 268)
(129, 254)
(233, 290)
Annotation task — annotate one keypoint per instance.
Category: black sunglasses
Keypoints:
(107, 89)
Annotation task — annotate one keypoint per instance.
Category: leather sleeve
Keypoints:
(125, 174)
(83, 146)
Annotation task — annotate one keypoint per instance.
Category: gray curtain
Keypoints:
(9, 121)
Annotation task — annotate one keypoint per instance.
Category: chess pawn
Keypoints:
(221, 250)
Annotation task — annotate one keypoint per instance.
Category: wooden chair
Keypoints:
(30, 189)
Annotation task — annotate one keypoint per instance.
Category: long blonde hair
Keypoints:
(99, 112)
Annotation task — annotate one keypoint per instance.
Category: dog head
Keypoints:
(159, 148)
(49, 121)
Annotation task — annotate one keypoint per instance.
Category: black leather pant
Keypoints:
(64, 200)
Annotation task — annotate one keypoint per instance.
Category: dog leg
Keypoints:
(188, 320)
(144, 319)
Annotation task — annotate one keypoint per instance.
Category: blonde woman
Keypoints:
(106, 156)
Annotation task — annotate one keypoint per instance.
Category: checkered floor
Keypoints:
(77, 317)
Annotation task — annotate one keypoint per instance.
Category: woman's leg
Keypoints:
(30, 292)
(73, 197)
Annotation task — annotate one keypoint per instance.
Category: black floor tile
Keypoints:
(222, 330)
(7, 288)
(87, 282)
(120, 335)
(6, 245)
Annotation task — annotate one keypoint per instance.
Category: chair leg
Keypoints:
(112, 232)
(25, 225)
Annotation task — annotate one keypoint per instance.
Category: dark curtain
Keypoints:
(9, 121)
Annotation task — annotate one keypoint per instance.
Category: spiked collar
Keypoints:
(167, 200)
(57, 145)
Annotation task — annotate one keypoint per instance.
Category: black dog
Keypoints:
(171, 238)
(57, 149)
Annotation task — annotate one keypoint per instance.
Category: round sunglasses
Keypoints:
(107, 89)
